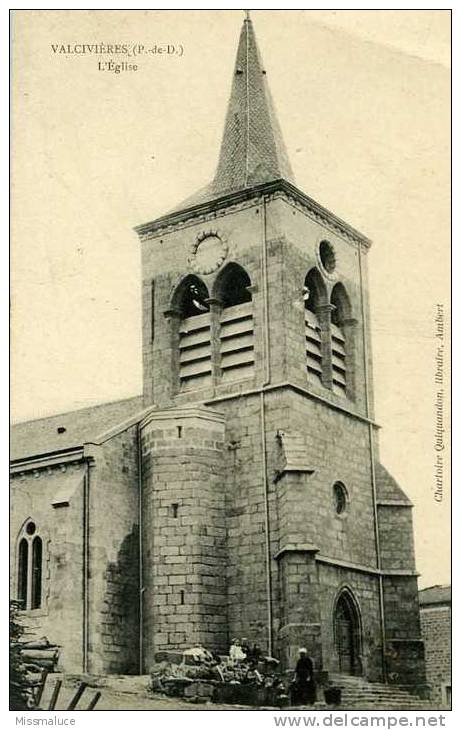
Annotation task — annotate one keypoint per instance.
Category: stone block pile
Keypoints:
(220, 680)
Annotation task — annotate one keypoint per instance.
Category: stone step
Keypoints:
(357, 693)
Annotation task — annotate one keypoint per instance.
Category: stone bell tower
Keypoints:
(266, 513)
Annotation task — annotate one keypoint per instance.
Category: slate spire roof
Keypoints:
(252, 148)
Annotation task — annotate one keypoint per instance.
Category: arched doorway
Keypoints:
(347, 635)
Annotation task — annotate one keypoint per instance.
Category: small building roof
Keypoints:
(435, 595)
(387, 488)
(68, 430)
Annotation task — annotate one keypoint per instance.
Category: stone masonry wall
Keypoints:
(337, 449)
(165, 262)
(300, 235)
(301, 507)
(436, 632)
(184, 531)
(337, 443)
(396, 537)
(114, 550)
(365, 589)
(404, 646)
(292, 240)
(60, 617)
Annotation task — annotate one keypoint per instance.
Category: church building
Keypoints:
(242, 493)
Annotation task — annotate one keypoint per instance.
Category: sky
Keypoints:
(363, 102)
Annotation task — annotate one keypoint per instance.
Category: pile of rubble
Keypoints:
(199, 676)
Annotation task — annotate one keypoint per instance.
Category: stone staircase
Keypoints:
(358, 694)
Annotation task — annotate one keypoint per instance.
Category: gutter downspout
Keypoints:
(140, 551)
(86, 554)
(266, 381)
(373, 471)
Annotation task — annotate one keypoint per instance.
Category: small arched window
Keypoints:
(340, 313)
(193, 297)
(191, 300)
(236, 338)
(340, 498)
(314, 297)
(36, 587)
(23, 563)
(233, 286)
(30, 567)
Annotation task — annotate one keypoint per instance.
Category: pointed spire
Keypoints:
(252, 148)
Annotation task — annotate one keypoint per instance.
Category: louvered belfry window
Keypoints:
(236, 337)
(313, 331)
(338, 358)
(339, 361)
(195, 369)
(313, 345)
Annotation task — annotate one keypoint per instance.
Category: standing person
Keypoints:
(235, 652)
(304, 685)
(246, 648)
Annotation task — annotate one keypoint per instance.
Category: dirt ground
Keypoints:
(123, 693)
(112, 700)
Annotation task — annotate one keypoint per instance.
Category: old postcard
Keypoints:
(230, 453)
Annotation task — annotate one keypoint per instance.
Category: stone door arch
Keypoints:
(347, 634)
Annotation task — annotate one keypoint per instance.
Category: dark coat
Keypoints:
(304, 669)
(303, 689)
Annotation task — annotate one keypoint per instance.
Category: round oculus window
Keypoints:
(30, 528)
(327, 256)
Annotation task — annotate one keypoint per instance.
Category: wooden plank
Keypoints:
(236, 359)
(237, 312)
(55, 695)
(196, 382)
(195, 338)
(313, 351)
(194, 323)
(314, 365)
(194, 368)
(94, 701)
(313, 336)
(39, 654)
(41, 687)
(337, 333)
(42, 643)
(338, 348)
(241, 373)
(311, 319)
(75, 699)
(339, 377)
(338, 362)
(237, 343)
(314, 376)
(194, 353)
(240, 327)
(314, 348)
